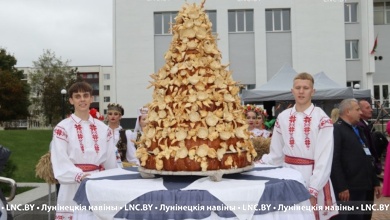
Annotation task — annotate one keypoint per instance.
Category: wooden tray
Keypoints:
(215, 175)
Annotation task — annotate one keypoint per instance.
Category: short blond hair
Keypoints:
(305, 76)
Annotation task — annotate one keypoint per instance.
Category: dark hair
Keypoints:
(80, 87)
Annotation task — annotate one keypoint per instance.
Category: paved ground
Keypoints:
(39, 197)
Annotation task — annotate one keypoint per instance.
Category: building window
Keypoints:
(107, 87)
(382, 13)
(277, 20)
(95, 98)
(385, 91)
(106, 99)
(89, 76)
(376, 92)
(95, 86)
(352, 49)
(350, 12)
(163, 22)
(106, 76)
(352, 84)
(213, 19)
(240, 20)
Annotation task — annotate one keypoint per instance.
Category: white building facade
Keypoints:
(381, 77)
(256, 37)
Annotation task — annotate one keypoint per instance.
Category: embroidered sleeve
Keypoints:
(325, 122)
(78, 177)
(60, 133)
(323, 154)
(313, 192)
(63, 168)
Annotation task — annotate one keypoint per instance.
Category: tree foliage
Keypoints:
(50, 76)
(14, 89)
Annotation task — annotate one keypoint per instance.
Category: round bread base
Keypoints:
(215, 175)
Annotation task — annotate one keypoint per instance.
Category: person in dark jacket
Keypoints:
(367, 128)
(368, 131)
(353, 172)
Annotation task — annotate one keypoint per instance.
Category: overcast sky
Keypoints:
(75, 30)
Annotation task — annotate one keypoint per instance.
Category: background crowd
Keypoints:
(337, 155)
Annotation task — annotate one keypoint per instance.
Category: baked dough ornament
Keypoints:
(196, 120)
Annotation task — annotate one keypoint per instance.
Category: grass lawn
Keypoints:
(27, 147)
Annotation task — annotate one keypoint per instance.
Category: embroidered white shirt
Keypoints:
(309, 135)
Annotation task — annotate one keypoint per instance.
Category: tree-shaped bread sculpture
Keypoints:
(196, 120)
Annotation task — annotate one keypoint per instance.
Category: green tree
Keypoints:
(50, 76)
(14, 90)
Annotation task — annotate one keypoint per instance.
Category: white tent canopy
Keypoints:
(278, 88)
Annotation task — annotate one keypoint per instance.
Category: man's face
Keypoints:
(302, 91)
(81, 101)
(366, 110)
(354, 113)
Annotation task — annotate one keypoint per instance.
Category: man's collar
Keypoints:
(365, 121)
(308, 111)
(78, 120)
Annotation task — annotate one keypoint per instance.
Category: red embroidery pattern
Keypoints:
(306, 129)
(89, 167)
(63, 217)
(327, 197)
(60, 133)
(328, 194)
(95, 137)
(298, 160)
(109, 135)
(291, 129)
(80, 136)
(313, 192)
(325, 122)
(78, 177)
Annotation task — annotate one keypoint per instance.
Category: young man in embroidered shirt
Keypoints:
(80, 146)
(303, 140)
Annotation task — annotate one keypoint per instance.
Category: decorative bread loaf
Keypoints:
(196, 120)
